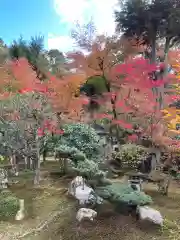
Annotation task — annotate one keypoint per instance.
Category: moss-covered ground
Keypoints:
(51, 216)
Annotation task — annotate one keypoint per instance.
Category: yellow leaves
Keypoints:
(172, 118)
(166, 113)
(170, 112)
(172, 123)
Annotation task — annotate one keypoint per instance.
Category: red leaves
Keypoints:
(113, 96)
(104, 116)
(131, 70)
(137, 72)
(133, 138)
(156, 83)
(174, 97)
(85, 101)
(120, 103)
(25, 90)
(134, 99)
(59, 131)
(50, 127)
(123, 124)
(40, 132)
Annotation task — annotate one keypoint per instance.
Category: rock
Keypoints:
(20, 214)
(76, 182)
(150, 214)
(82, 192)
(85, 213)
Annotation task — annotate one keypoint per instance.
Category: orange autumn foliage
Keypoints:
(62, 95)
(18, 77)
(103, 55)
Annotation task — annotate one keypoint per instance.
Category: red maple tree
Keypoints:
(129, 101)
(18, 77)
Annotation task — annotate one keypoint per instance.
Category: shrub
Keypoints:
(84, 138)
(77, 162)
(120, 194)
(70, 152)
(9, 205)
(130, 155)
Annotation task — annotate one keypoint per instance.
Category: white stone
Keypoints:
(150, 214)
(20, 214)
(85, 213)
(76, 182)
(83, 194)
(80, 190)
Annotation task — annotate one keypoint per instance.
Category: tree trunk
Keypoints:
(159, 95)
(153, 50)
(113, 104)
(44, 156)
(38, 164)
(166, 49)
(26, 162)
(13, 164)
(37, 172)
(155, 158)
(65, 166)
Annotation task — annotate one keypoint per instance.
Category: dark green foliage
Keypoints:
(132, 17)
(82, 146)
(77, 162)
(34, 52)
(9, 205)
(57, 62)
(70, 152)
(118, 193)
(150, 20)
(147, 17)
(89, 169)
(94, 86)
(84, 138)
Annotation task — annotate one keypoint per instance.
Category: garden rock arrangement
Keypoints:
(122, 196)
(91, 187)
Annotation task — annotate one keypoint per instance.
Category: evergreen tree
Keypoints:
(152, 21)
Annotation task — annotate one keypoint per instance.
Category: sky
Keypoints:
(53, 19)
